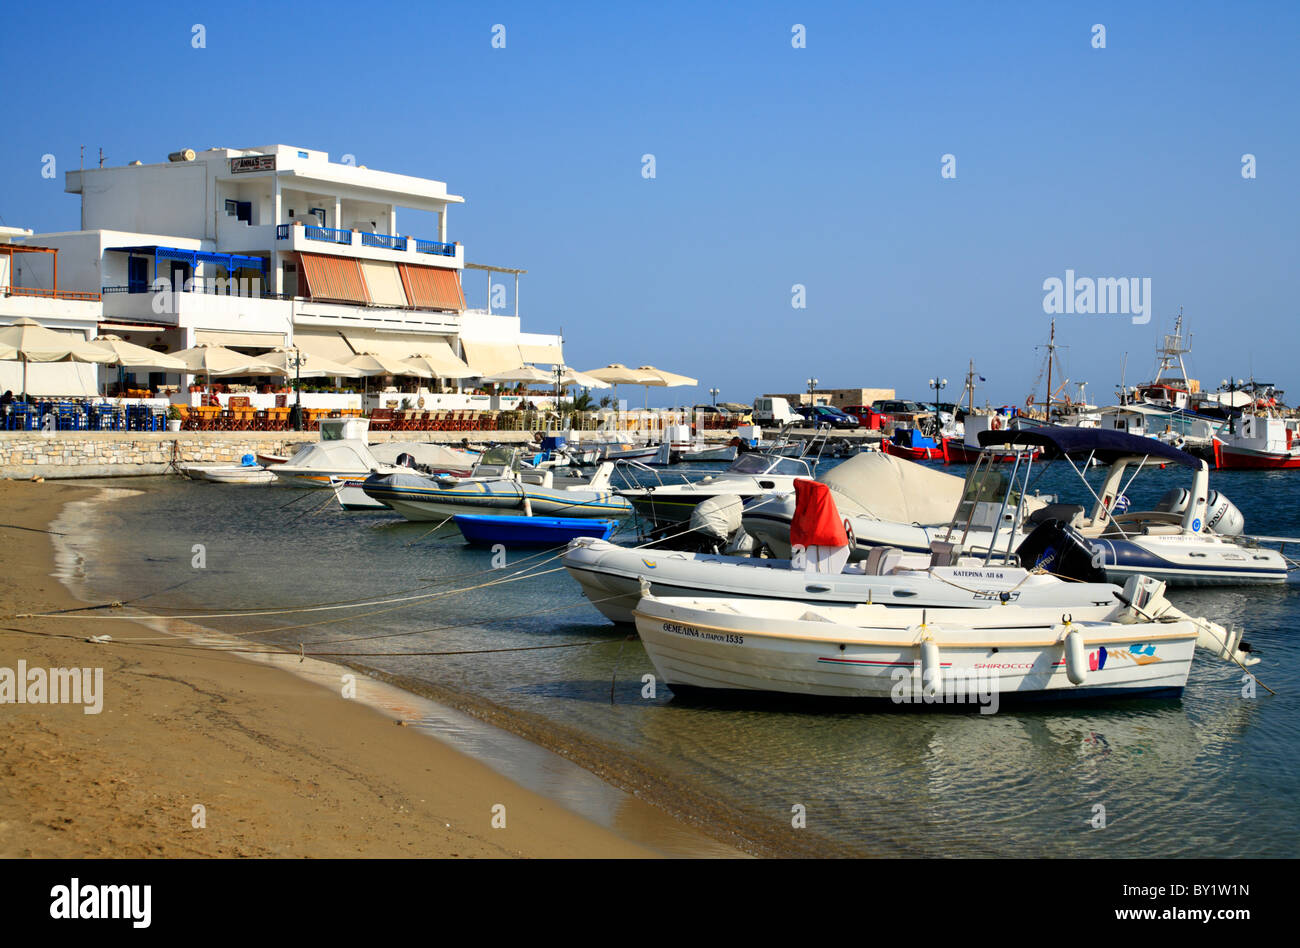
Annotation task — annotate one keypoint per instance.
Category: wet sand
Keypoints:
(280, 765)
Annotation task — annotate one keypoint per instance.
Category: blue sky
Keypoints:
(774, 166)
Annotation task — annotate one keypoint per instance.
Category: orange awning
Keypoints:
(432, 287)
(334, 278)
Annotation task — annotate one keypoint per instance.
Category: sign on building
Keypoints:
(247, 163)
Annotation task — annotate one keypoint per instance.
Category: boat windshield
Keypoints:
(764, 464)
(503, 456)
(982, 497)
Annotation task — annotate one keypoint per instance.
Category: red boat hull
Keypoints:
(913, 454)
(1229, 459)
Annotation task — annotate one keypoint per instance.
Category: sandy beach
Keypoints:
(280, 766)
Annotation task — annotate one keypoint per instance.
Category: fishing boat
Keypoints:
(667, 503)
(910, 444)
(1256, 442)
(514, 531)
(903, 654)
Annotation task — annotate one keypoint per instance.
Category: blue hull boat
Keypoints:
(531, 531)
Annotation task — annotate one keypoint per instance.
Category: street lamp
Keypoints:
(715, 393)
(812, 387)
(296, 360)
(937, 384)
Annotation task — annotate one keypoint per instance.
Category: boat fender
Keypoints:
(1076, 658)
(931, 670)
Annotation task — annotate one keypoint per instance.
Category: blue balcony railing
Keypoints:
(435, 246)
(387, 241)
(383, 241)
(331, 235)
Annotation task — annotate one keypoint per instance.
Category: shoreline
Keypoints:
(281, 764)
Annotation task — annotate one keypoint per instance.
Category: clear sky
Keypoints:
(774, 166)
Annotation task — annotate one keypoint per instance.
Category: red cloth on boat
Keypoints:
(816, 520)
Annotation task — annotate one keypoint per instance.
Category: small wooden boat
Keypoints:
(911, 444)
(531, 531)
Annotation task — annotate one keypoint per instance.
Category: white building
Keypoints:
(255, 248)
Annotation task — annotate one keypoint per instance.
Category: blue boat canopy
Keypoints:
(1106, 446)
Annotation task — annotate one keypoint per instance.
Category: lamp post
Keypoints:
(812, 388)
(715, 393)
(937, 384)
(296, 359)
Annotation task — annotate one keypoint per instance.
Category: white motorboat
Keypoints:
(342, 460)
(228, 473)
(500, 486)
(910, 655)
(610, 576)
(1192, 538)
(669, 503)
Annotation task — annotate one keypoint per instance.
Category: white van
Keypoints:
(771, 410)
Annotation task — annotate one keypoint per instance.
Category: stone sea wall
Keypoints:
(26, 454)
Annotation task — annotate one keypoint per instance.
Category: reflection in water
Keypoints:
(1210, 774)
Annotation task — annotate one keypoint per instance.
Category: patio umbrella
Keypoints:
(661, 379)
(215, 360)
(616, 374)
(525, 373)
(444, 365)
(32, 342)
(312, 367)
(138, 357)
(218, 360)
(568, 376)
(370, 364)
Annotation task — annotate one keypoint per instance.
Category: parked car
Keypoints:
(772, 410)
(823, 416)
(869, 418)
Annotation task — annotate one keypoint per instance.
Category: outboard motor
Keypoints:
(1221, 514)
(1059, 548)
(405, 460)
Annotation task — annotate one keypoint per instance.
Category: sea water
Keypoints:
(1214, 773)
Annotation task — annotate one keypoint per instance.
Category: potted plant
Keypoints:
(173, 418)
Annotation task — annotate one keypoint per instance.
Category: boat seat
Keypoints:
(882, 560)
(1067, 513)
(943, 553)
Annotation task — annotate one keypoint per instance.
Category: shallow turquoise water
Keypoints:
(1212, 774)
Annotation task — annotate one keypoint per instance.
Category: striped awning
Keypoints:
(334, 278)
(432, 287)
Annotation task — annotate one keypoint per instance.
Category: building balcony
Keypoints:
(311, 238)
(211, 306)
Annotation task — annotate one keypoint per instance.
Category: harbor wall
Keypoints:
(27, 454)
(63, 454)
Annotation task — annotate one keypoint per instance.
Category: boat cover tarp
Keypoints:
(719, 516)
(1105, 445)
(435, 457)
(890, 488)
(347, 455)
(816, 520)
